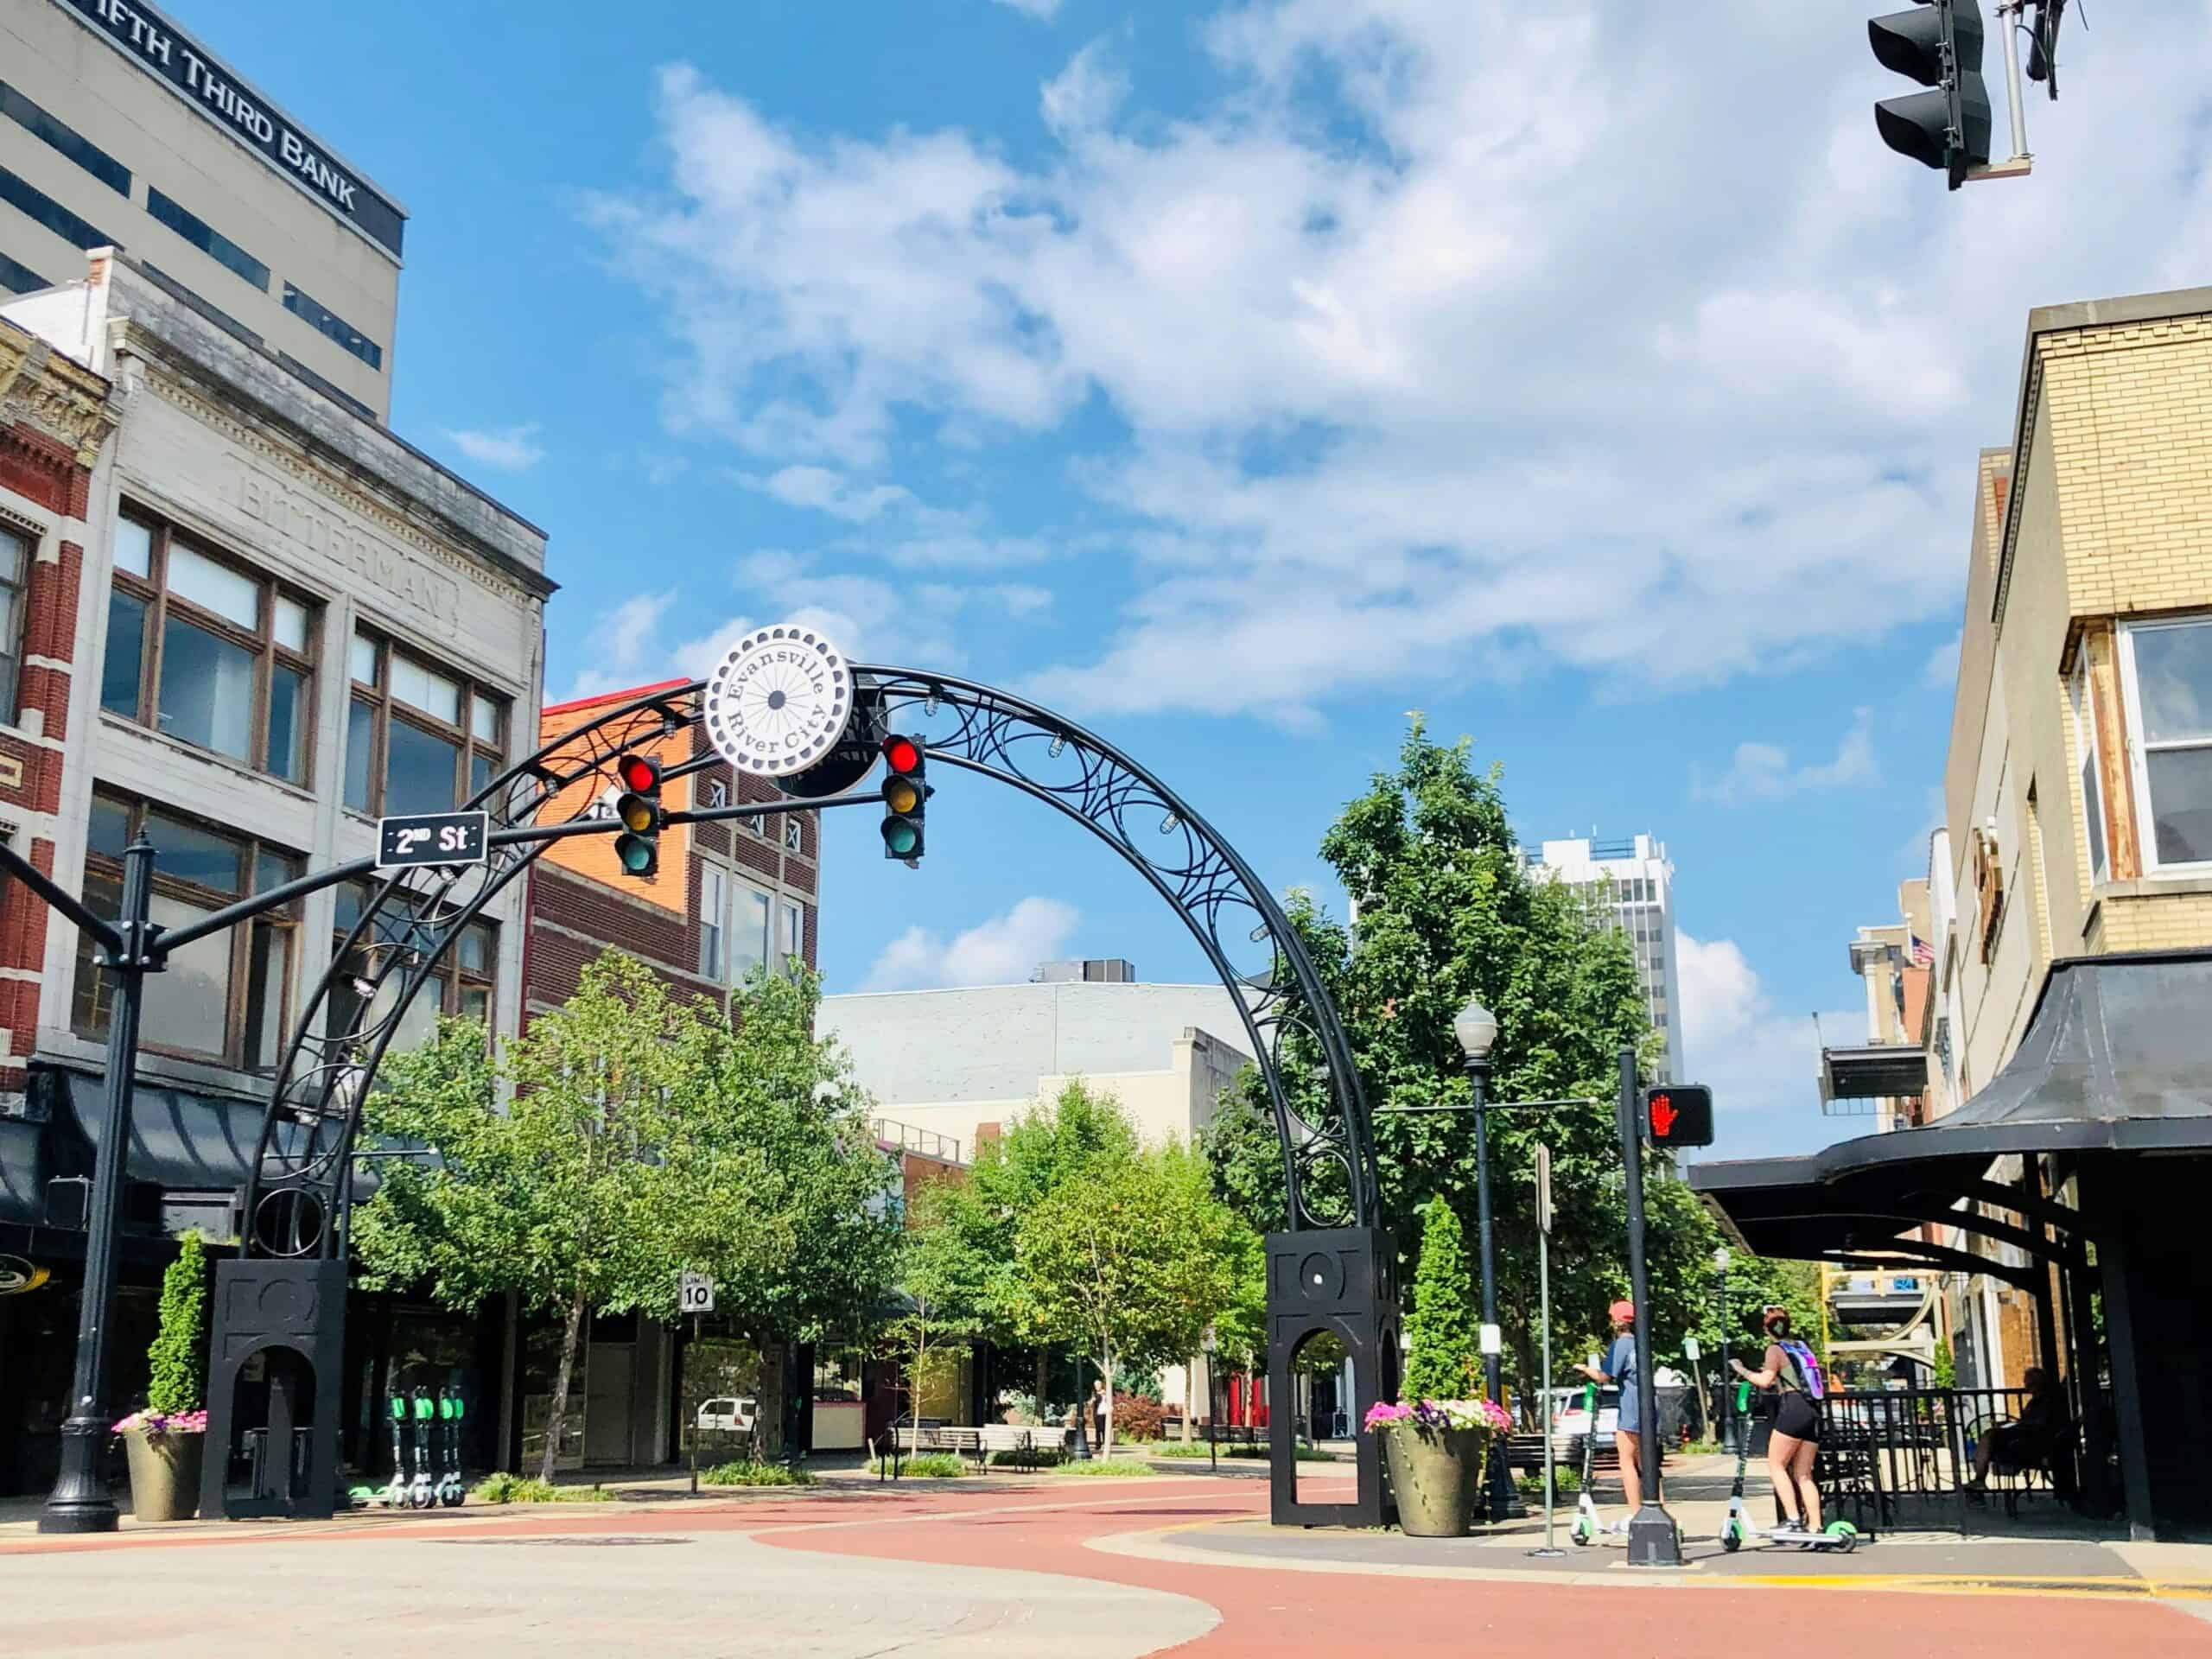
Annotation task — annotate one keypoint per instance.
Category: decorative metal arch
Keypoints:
(1332, 1262)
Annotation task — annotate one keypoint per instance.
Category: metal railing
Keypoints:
(1894, 1456)
(928, 1142)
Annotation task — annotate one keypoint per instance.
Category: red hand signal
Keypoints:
(1663, 1116)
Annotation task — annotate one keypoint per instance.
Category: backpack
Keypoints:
(1808, 1369)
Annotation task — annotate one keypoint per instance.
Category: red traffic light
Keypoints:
(903, 754)
(639, 774)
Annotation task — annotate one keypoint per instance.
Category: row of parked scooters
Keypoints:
(425, 1452)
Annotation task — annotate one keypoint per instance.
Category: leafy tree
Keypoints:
(178, 1357)
(1132, 1258)
(644, 1135)
(1448, 910)
(1442, 1337)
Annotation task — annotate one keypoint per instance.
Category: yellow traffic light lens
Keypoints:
(901, 796)
(636, 813)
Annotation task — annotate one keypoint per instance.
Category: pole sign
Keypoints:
(1543, 1189)
(1690, 1350)
(694, 1292)
(418, 840)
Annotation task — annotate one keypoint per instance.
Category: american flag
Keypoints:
(1923, 955)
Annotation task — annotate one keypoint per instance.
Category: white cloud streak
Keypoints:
(1003, 950)
(1761, 772)
(510, 449)
(1755, 1058)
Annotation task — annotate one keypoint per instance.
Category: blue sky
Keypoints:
(1240, 377)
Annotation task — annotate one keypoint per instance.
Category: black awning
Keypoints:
(1873, 1072)
(2117, 1057)
(178, 1138)
(23, 1172)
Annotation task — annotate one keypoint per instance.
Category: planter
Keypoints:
(164, 1474)
(1436, 1475)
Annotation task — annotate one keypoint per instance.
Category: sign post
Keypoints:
(1691, 1352)
(1544, 1319)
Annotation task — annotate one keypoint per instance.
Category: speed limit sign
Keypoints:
(696, 1293)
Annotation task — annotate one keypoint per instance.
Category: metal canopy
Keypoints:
(1873, 1072)
(2117, 1059)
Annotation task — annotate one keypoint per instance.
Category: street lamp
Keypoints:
(1207, 1346)
(1720, 1259)
(1476, 1027)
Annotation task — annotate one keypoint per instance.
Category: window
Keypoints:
(418, 739)
(206, 238)
(717, 793)
(2170, 707)
(791, 935)
(748, 936)
(15, 576)
(35, 203)
(791, 837)
(714, 901)
(461, 983)
(2085, 745)
(78, 148)
(223, 997)
(207, 652)
(336, 328)
(19, 278)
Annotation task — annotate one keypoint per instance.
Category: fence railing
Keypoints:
(908, 1138)
(1894, 1456)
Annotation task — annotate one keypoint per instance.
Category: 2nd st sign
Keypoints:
(418, 840)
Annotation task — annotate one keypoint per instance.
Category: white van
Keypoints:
(727, 1415)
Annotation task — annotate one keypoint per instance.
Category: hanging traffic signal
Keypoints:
(905, 795)
(1938, 43)
(638, 808)
(1678, 1114)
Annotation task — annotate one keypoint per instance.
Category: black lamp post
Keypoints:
(1476, 1027)
(1720, 1259)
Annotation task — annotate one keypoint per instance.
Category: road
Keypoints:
(1010, 1568)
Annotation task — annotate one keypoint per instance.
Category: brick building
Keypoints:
(55, 416)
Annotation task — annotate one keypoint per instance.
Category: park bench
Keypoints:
(976, 1445)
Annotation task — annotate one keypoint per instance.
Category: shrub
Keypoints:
(743, 1471)
(1036, 1457)
(1197, 1449)
(1566, 1482)
(923, 1465)
(1443, 1340)
(528, 1488)
(179, 1355)
(1136, 1418)
(1104, 1469)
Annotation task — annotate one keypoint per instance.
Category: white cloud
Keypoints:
(1941, 671)
(1045, 10)
(1004, 950)
(1450, 332)
(827, 492)
(1761, 772)
(512, 449)
(618, 646)
(1754, 1057)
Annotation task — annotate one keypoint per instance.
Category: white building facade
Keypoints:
(1631, 883)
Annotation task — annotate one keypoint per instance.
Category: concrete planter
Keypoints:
(1436, 1475)
(164, 1474)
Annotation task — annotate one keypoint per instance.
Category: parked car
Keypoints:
(728, 1416)
(1570, 1420)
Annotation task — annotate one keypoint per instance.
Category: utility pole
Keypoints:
(1653, 1538)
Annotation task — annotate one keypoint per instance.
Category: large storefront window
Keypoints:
(223, 997)
(460, 983)
(417, 738)
(209, 654)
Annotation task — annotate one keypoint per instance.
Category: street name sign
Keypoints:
(418, 840)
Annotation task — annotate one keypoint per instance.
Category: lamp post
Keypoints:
(1476, 1027)
(1727, 1394)
(1207, 1344)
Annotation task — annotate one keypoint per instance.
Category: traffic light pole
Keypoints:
(1653, 1538)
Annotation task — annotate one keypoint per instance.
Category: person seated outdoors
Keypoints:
(2029, 1441)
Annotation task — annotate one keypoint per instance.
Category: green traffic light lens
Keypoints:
(635, 856)
(900, 838)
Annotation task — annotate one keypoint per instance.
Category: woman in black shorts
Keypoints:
(1797, 1439)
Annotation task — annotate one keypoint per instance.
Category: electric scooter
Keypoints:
(394, 1496)
(421, 1492)
(450, 1489)
(1587, 1525)
(1839, 1535)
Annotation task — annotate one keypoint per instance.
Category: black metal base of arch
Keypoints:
(292, 1315)
(1339, 1281)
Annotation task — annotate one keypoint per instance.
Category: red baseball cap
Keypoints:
(1622, 1311)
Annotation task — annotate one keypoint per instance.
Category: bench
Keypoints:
(976, 1445)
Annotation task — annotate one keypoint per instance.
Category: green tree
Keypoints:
(1448, 910)
(1443, 1340)
(1134, 1258)
(643, 1135)
(178, 1359)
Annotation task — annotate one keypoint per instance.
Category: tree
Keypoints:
(178, 1359)
(644, 1135)
(1442, 1339)
(935, 1304)
(1133, 1257)
(1448, 910)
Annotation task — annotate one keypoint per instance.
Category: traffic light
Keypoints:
(636, 850)
(905, 795)
(1678, 1114)
(1938, 43)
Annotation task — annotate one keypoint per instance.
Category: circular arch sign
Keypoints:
(778, 701)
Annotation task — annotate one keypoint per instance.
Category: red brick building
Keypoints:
(728, 897)
(54, 416)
